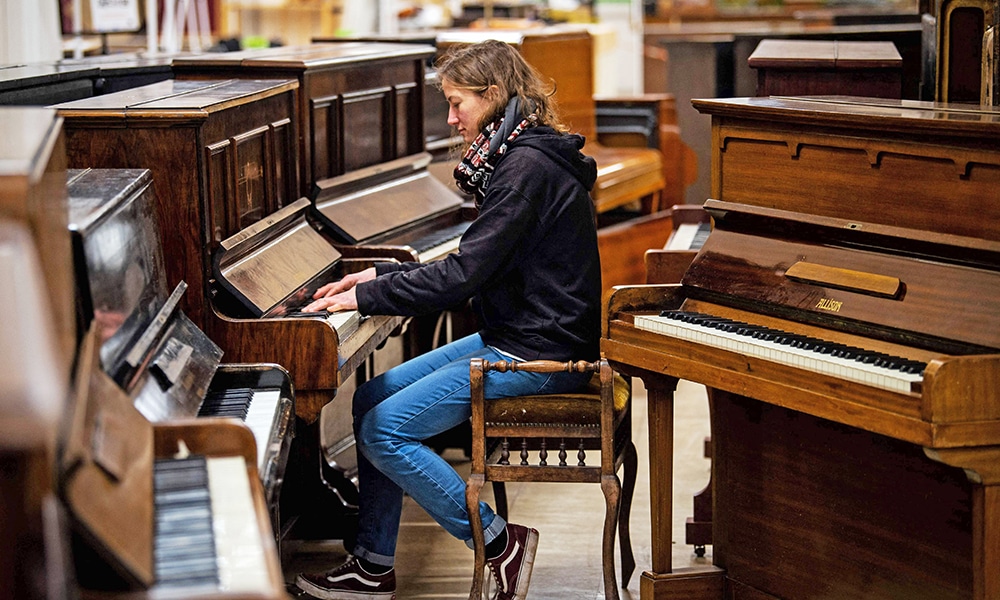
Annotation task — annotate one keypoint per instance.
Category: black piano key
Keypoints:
(184, 546)
(814, 344)
(439, 236)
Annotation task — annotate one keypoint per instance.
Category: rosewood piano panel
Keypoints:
(888, 162)
(360, 103)
(220, 152)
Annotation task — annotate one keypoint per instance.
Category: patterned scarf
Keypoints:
(473, 174)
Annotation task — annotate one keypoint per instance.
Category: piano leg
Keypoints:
(662, 582)
(698, 529)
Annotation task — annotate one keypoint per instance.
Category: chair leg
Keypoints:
(612, 495)
(631, 467)
(500, 499)
(473, 487)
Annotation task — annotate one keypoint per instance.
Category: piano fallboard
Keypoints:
(930, 290)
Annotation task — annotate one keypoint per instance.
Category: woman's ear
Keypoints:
(491, 92)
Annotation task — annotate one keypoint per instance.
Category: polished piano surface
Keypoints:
(227, 159)
(227, 162)
(396, 209)
(148, 346)
(359, 103)
(35, 392)
(161, 510)
(33, 191)
(843, 312)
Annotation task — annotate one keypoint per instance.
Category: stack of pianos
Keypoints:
(187, 223)
(181, 226)
(843, 314)
(92, 452)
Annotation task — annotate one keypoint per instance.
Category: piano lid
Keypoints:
(934, 291)
(105, 470)
(311, 56)
(189, 98)
(270, 261)
(144, 340)
(366, 203)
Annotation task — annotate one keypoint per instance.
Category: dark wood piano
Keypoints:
(226, 154)
(359, 103)
(843, 311)
(161, 510)
(225, 151)
(34, 559)
(150, 348)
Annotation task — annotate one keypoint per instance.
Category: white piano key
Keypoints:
(842, 368)
(345, 322)
(261, 415)
(439, 251)
(241, 559)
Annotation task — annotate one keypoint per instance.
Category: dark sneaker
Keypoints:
(512, 569)
(349, 581)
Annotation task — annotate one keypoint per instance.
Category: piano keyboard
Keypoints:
(345, 322)
(441, 242)
(813, 354)
(257, 408)
(689, 236)
(206, 532)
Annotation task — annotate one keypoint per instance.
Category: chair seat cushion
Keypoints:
(579, 409)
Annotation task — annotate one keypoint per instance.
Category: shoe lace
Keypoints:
(495, 570)
(347, 564)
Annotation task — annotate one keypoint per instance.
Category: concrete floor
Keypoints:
(432, 564)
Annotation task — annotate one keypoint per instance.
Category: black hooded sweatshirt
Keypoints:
(529, 260)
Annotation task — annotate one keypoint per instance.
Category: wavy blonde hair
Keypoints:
(476, 67)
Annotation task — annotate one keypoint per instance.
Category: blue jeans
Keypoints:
(396, 411)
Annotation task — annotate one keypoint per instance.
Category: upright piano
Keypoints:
(226, 152)
(359, 103)
(843, 311)
(161, 510)
(34, 559)
(33, 191)
(147, 345)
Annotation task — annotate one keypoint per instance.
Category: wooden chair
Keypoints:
(598, 417)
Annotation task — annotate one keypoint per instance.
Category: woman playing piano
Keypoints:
(529, 263)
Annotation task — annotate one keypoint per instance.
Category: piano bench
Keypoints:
(626, 175)
(568, 425)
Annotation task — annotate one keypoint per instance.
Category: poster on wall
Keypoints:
(102, 16)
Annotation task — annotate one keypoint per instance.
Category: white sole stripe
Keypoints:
(347, 576)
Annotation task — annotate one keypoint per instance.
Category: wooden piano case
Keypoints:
(170, 368)
(360, 103)
(106, 480)
(33, 191)
(824, 486)
(33, 533)
(222, 152)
